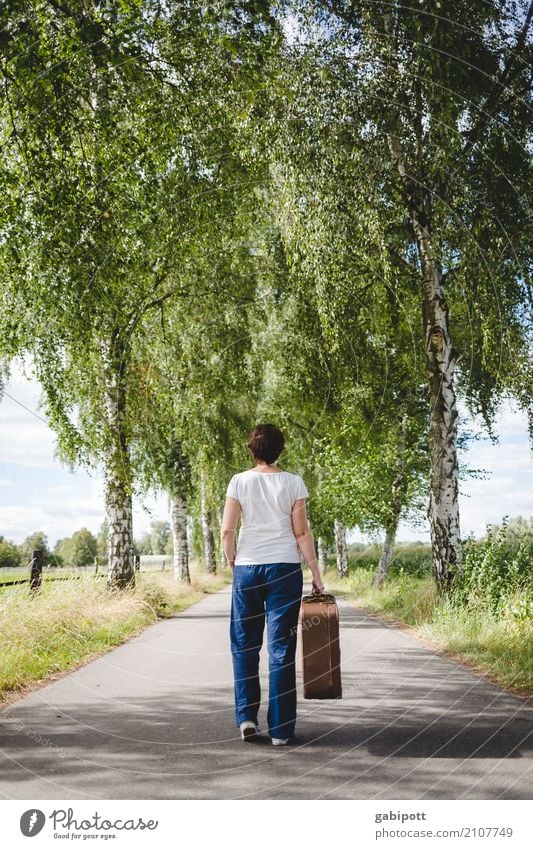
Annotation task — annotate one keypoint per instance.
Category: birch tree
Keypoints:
(206, 517)
(198, 392)
(341, 549)
(123, 137)
(344, 340)
(434, 106)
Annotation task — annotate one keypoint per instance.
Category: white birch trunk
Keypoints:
(218, 542)
(118, 500)
(178, 521)
(386, 557)
(121, 572)
(341, 549)
(443, 508)
(207, 532)
(322, 552)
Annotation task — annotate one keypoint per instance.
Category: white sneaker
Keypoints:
(279, 741)
(249, 731)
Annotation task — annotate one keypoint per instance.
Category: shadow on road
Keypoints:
(155, 719)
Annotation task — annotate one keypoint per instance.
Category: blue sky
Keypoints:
(39, 493)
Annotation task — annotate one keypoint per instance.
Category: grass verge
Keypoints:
(498, 644)
(70, 622)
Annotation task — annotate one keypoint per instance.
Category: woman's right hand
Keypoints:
(318, 586)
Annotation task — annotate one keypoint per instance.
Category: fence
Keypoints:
(12, 576)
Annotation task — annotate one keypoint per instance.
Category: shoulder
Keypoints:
(301, 489)
(295, 476)
(293, 479)
(233, 487)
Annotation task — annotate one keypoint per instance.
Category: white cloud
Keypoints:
(63, 488)
(505, 489)
(61, 510)
(25, 439)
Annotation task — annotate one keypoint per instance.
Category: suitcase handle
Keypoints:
(324, 598)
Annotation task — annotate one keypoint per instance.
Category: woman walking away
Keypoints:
(267, 582)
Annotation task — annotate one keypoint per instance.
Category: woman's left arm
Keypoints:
(228, 529)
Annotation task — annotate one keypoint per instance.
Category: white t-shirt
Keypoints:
(266, 499)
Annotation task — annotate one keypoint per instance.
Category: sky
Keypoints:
(39, 493)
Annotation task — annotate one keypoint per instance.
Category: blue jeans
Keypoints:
(272, 591)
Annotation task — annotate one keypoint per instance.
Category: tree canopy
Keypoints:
(312, 213)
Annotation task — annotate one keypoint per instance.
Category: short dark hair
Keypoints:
(266, 442)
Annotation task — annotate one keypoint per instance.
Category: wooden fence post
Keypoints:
(137, 562)
(36, 569)
(96, 565)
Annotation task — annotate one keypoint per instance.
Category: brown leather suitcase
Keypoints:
(321, 654)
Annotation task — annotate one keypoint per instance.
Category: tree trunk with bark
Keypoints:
(118, 476)
(443, 508)
(322, 555)
(178, 520)
(341, 549)
(386, 557)
(121, 572)
(207, 532)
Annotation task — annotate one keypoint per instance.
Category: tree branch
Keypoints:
(506, 76)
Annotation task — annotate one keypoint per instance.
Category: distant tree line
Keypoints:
(81, 548)
(413, 557)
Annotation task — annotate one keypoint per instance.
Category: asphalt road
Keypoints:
(153, 719)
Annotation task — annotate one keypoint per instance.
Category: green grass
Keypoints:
(499, 644)
(7, 577)
(69, 622)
